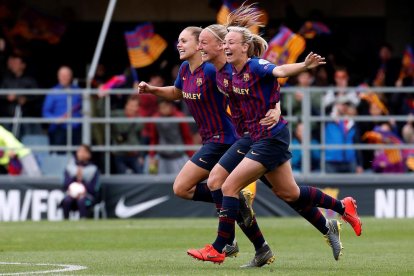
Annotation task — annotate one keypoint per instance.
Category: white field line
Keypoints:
(63, 268)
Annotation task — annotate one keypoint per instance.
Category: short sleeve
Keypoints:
(263, 67)
(179, 80)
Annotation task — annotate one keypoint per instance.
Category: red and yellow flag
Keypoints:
(144, 46)
(285, 47)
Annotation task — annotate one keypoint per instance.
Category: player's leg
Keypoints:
(231, 158)
(285, 187)
(245, 173)
(218, 175)
(251, 229)
(188, 183)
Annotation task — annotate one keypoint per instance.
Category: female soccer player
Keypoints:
(196, 84)
(255, 86)
(212, 51)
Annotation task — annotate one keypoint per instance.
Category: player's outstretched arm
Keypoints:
(168, 92)
(287, 70)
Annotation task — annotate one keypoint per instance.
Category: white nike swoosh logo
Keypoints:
(238, 151)
(255, 153)
(201, 159)
(123, 211)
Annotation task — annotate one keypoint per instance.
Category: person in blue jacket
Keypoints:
(62, 105)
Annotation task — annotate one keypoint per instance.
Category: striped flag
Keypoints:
(311, 29)
(231, 5)
(285, 47)
(379, 136)
(144, 46)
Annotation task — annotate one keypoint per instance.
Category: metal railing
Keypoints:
(87, 120)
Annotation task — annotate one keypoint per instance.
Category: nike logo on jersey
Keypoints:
(240, 152)
(254, 153)
(123, 211)
(201, 160)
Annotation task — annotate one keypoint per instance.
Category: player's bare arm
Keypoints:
(287, 70)
(168, 92)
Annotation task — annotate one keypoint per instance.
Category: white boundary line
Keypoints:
(65, 268)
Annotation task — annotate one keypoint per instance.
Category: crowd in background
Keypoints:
(338, 102)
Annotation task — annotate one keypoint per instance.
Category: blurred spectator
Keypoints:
(371, 105)
(3, 58)
(321, 76)
(169, 161)
(148, 103)
(388, 67)
(408, 136)
(341, 88)
(148, 106)
(18, 159)
(343, 132)
(402, 103)
(81, 183)
(56, 105)
(127, 134)
(385, 160)
(305, 80)
(19, 105)
(297, 153)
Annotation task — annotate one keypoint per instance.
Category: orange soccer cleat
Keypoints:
(351, 216)
(208, 253)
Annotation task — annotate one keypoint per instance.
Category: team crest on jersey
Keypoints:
(226, 83)
(199, 81)
(246, 77)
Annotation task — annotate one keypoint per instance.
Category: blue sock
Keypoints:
(313, 215)
(311, 196)
(227, 218)
(217, 196)
(202, 193)
(252, 232)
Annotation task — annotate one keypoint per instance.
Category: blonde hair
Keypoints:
(244, 16)
(195, 31)
(257, 45)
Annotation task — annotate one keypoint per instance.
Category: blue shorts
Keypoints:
(209, 154)
(235, 154)
(273, 151)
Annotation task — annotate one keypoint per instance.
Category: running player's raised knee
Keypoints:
(215, 180)
(180, 191)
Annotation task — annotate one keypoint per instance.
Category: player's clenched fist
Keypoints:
(143, 87)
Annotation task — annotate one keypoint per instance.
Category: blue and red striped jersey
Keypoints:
(257, 91)
(224, 85)
(205, 103)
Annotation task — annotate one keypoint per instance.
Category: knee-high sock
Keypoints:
(202, 193)
(217, 196)
(252, 232)
(313, 215)
(313, 197)
(227, 218)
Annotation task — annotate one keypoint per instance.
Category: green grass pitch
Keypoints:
(158, 247)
